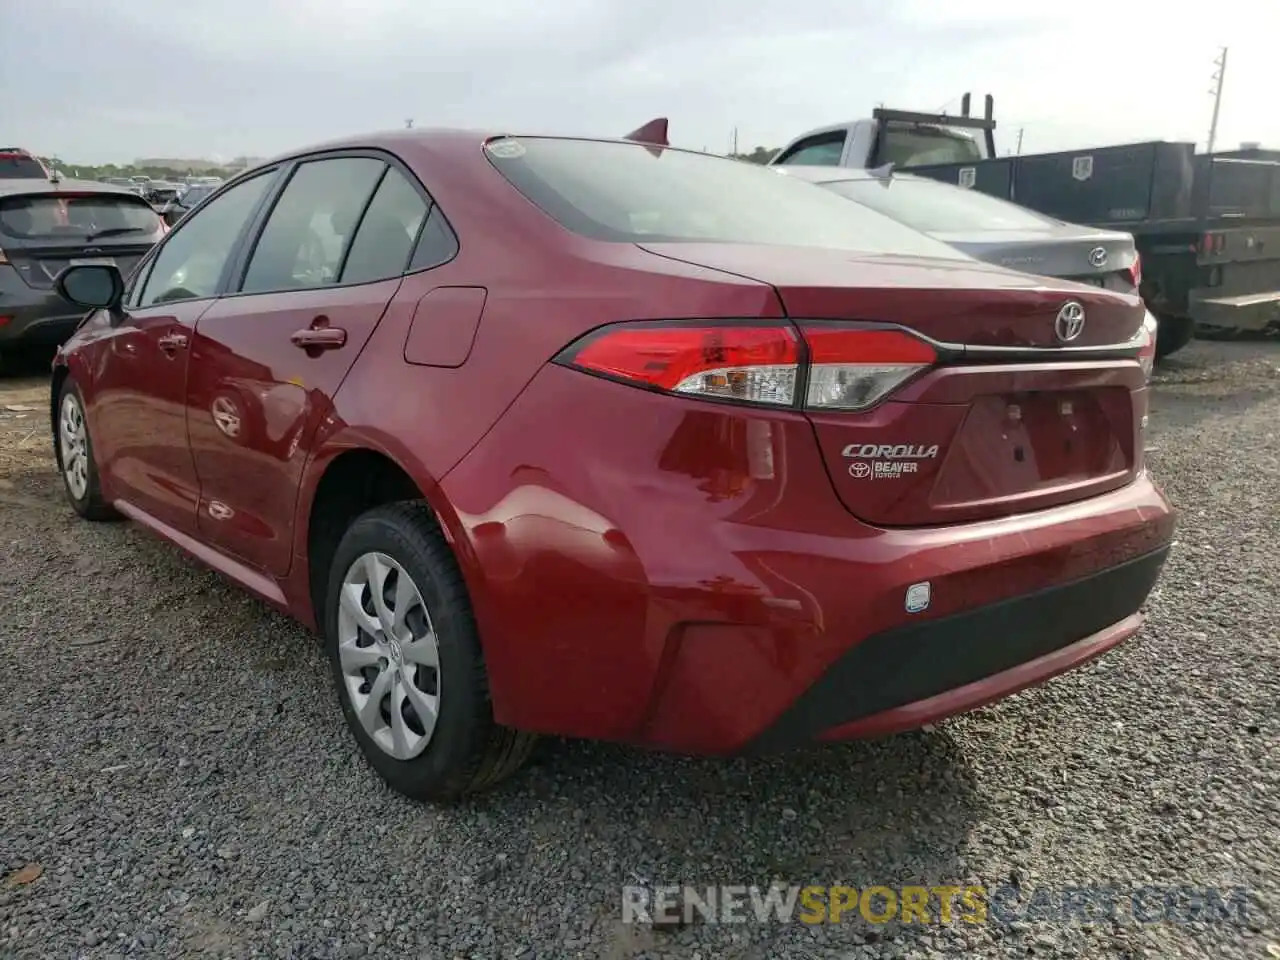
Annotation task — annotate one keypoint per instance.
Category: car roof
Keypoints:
(425, 141)
(33, 186)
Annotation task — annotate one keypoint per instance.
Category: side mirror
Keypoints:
(95, 286)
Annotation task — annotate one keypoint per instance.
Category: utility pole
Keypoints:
(1216, 93)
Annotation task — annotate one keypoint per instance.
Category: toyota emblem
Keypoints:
(1098, 257)
(1070, 321)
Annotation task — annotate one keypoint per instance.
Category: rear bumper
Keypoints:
(922, 672)
(692, 584)
(1255, 311)
(35, 317)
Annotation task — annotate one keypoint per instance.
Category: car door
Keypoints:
(268, 358)
(139, 415)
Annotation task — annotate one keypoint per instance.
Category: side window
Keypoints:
(305, 237)
(386, 232)
(190, 264)
(823, 150)
(437, 244)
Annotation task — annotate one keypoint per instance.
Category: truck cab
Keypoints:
(899, 137)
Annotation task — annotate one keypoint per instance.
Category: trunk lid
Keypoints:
(1099, 257)
(977, 436)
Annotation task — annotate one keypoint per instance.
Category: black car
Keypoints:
(47, 226)
(187, 201)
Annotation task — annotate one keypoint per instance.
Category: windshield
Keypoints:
(75, 217)
(936, 207)
(195, 194)
(631, 193)
(20, 166)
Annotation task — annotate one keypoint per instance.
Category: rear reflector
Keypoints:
(847, 367)
(1213, 243)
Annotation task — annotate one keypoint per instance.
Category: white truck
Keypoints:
(1207, 226)
(899, 137)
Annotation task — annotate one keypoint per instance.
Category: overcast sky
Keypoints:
(94, 81)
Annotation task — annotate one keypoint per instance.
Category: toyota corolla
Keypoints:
(602, 439)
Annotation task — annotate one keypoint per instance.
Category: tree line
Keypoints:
(88, 171)
(761, 155)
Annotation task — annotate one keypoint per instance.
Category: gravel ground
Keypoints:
(175, 779)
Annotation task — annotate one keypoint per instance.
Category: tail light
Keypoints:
(1147, 344)
(1133, 273)
(842, 368)
(1213, 243)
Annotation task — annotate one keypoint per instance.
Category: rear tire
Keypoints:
(430, 734)
(1172, 334)
(73, 451)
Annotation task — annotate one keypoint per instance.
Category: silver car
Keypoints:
(988, 228)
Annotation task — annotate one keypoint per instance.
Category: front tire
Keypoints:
(406, 659)
(74, 453)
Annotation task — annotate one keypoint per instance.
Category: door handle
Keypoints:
(171, 342)
(319, 338)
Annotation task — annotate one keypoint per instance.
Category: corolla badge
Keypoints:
(1070, 321)
(1098, 257)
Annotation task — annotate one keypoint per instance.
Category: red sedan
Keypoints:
(603, 439)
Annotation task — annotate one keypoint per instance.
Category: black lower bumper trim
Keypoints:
(923, 659)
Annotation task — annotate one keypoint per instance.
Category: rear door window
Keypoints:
(305, 238)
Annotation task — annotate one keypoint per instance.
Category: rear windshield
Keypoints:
(75, 217)
(916, 146)
(20, 166)
(630, 193)
(197, 193)
(939, 207)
